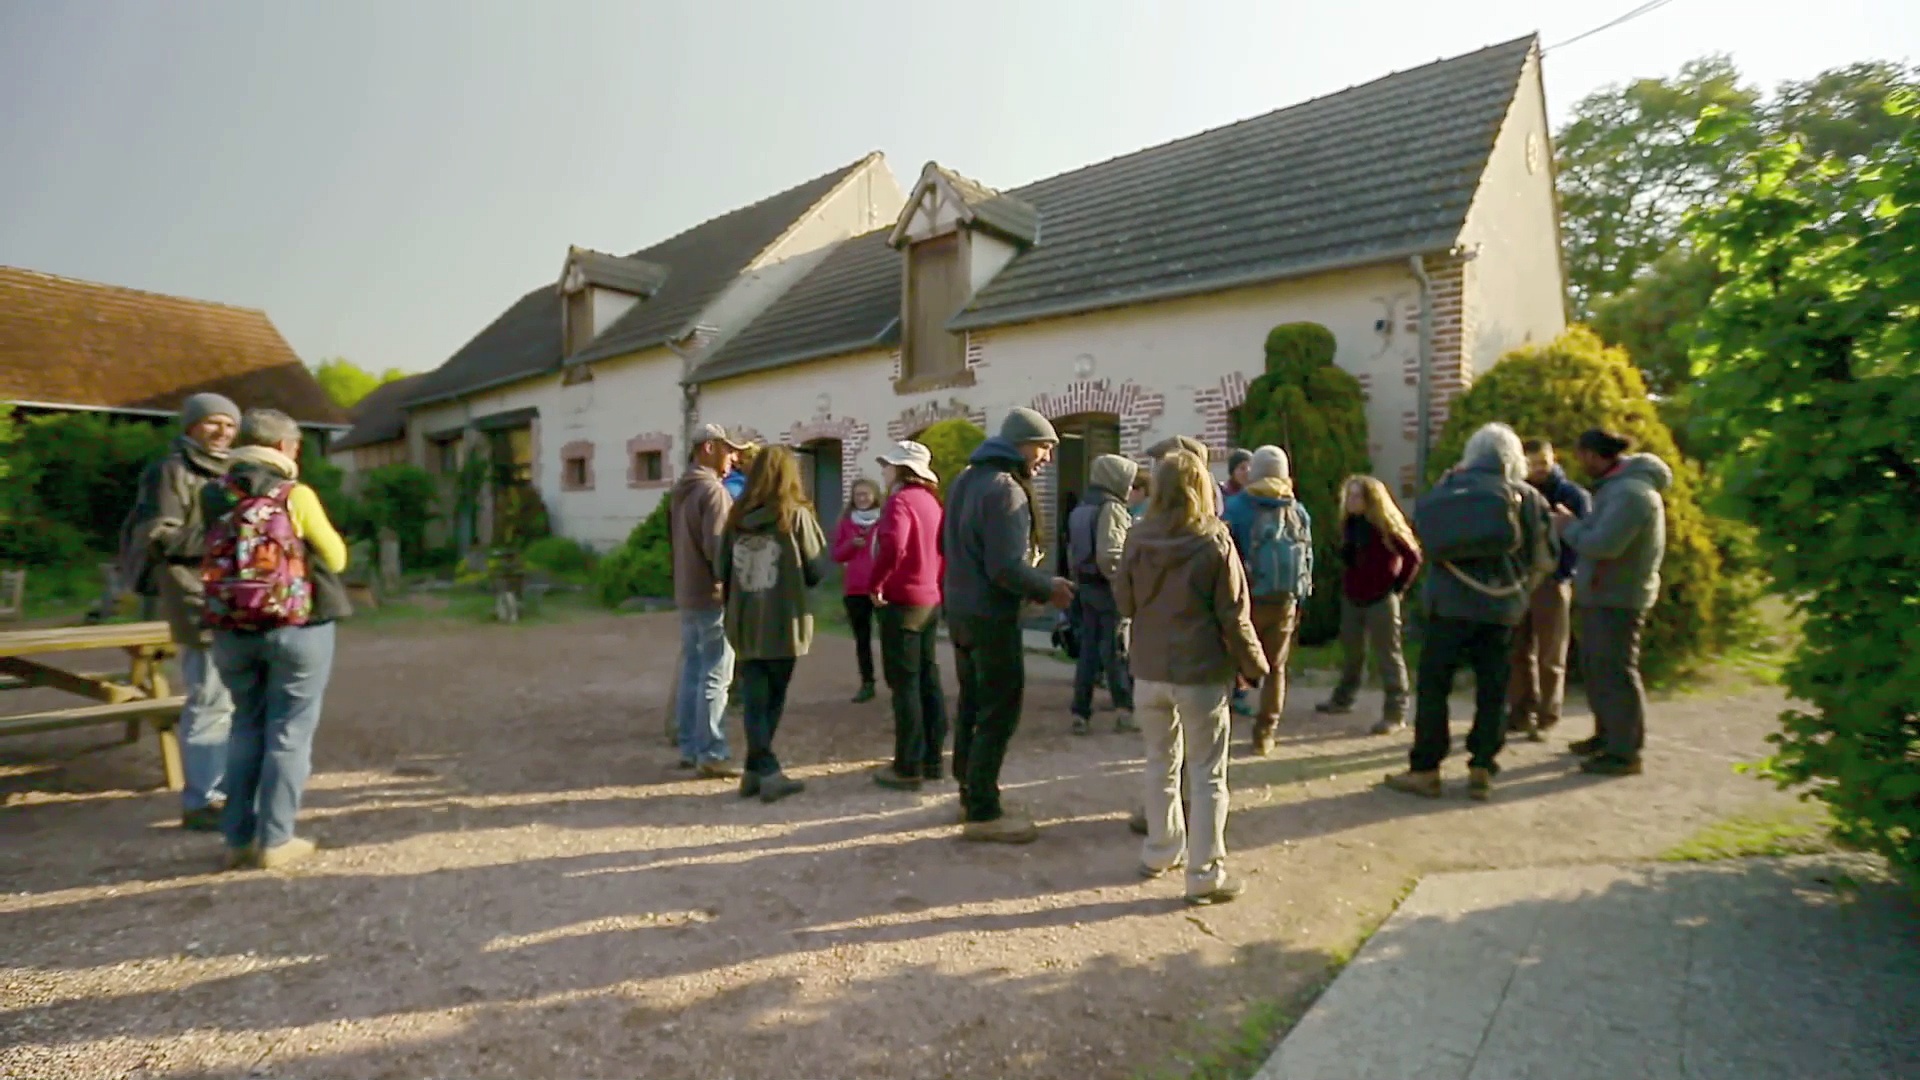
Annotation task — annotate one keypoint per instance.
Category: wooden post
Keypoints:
(170, 754)
(389, 560)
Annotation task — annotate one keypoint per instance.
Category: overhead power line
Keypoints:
(1647, 8)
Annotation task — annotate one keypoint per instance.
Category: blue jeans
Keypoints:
(277, 678)
(706, 672)
(205, 720)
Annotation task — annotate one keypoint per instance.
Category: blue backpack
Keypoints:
(1280, 558)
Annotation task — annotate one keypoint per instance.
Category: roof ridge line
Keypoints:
(848, 168)
(130, 289)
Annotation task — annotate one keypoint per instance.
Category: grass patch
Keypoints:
(473, 606)
(1801, 830)
(1238, 1052)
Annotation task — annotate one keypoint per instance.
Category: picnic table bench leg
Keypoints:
(167, 731)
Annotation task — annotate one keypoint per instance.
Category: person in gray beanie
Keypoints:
(1239, 471)
(1274, 534)
(163, 542)
(992, 541)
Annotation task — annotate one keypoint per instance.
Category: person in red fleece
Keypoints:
(853, 549)
(905, 580)
(1381, 557)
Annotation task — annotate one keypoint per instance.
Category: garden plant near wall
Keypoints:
(643, 565)
(1317, 413)
(951, 442)
(1558, 390)
(1808, 402)
(404, 498)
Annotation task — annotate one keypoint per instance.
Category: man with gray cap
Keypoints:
(698, 514)
(991, 539)
(165, 540)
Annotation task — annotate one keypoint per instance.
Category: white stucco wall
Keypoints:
(1515, 288)
(608, 306)
(629, 397)
(1194, 356)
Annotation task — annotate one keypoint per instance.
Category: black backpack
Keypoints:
(1470, 515)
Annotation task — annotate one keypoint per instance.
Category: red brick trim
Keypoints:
(1452, 329)
(911, 422)
(1216, 404)
(852, 434)
(582, 451)
(976, 352)
(1133, 405)
(652, 442)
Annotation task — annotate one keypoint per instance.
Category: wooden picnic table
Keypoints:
(133, 696)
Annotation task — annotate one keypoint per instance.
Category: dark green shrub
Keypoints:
(643, 565)
(1316, 412)
(37, 542)
(404, 498)
(82, 470)
(560, 556)
(1556, 391)
(519, 517)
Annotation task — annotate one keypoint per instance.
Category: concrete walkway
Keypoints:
(1744, 970)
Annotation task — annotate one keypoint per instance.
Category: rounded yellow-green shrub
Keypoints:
(1556, 391)
(951, 442)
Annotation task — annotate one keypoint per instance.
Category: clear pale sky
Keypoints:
(385, 177)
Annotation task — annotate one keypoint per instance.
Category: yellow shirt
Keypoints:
(310, 521)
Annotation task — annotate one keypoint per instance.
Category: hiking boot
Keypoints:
(933, 771)
(1610, 765)
(1148, 873)
(718, 770)
(1083, 725)
(686, 763)
(281, 856)
(1388, 725)
(865, 695)
(1226, 892)
(1523, 725)
(1124, 722)
(893, 780)
(1480, 784)
(1586, 747)
(1334, 708)
(1137, 823)
(1263, 739)
(777, 786)
(240, 858)
(749, 785)
(202, 818)
(1008, 828)
(1425, 783)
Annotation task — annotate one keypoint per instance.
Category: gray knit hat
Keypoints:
(1027, 426)
(200, 406)
(1238, 458)
(1270, 463)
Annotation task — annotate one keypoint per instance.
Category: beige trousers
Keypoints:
(1186, 730)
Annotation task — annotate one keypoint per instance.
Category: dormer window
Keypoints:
(957, 234)
(596, 289)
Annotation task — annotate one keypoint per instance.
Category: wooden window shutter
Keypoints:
(938, 287)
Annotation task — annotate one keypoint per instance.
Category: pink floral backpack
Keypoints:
(255, 570)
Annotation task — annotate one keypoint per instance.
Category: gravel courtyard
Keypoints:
(515, 881)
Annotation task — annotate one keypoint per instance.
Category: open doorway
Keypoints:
(820, 471)
(1083, 437)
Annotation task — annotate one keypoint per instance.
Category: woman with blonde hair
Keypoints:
(1181, 583)
(768, 559)
(853, 549)
(1381, 557)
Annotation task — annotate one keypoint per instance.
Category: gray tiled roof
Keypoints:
(1014, 218)
(700, 262)
(850, 301)
(1378, 171)
(380, 416)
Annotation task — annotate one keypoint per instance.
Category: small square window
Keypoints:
(649, 466)
(576, 472)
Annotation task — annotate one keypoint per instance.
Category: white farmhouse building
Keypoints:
(1413, 216)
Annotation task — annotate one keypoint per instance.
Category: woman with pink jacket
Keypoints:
(906, 572)
(853, 548)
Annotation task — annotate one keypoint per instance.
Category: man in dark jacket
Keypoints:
(1539, 680)
(1621, 545)
(1096, 536)
(991, 541)
(697, 516)
(1472, 606)
(165, 539)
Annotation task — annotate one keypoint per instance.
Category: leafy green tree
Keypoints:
(643, 565)
(1809, 398)
(1556, 391)
(1317, 413)
(951, 442)
(1654, 319)
(347, 382)
(1843, 112)
(1629, 171)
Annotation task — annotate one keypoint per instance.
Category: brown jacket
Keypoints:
(1187, 597)
(698, 513)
